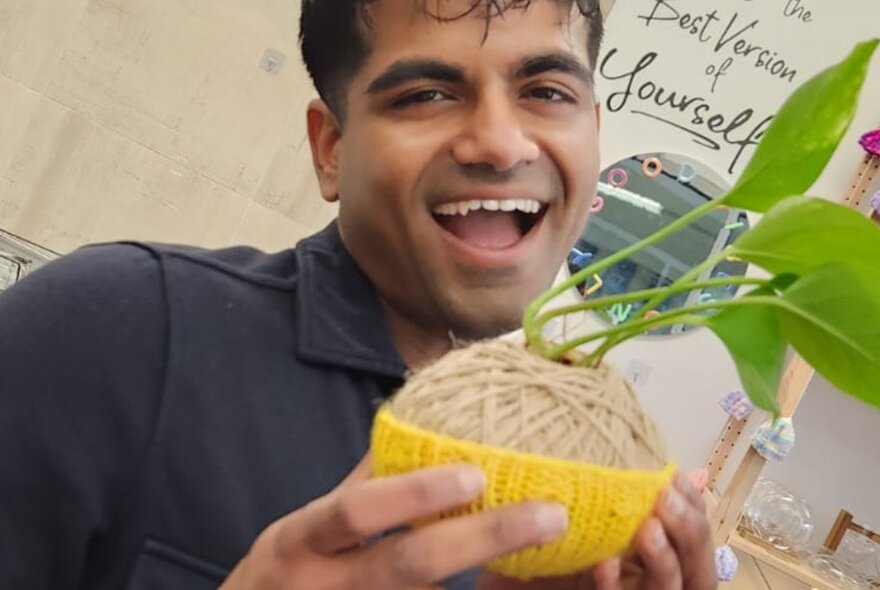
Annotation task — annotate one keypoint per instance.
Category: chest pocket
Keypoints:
(160, 567)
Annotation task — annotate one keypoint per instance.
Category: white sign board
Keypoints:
(703, 78)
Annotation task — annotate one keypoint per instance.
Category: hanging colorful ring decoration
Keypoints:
(687, 173)
(652, 167)
(617, 177)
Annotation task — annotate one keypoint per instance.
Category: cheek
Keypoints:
(383, 169)
(578, 162)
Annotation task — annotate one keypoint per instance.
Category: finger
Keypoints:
(451, 546)
(607, 575)
(662, 571)
(699, 479)
(362, 471)
(580, 581)
(690, 492)
(357, 510)
(687, 528)
(631, 568)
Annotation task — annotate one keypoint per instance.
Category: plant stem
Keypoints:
(534, 338)
(696, 271)
(678, 283)
(633, 328)
(595, 358)
(665, 292)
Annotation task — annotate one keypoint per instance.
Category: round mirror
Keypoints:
(638, 196)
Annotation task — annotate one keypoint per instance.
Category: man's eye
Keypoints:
(549, 94)
(420, 96)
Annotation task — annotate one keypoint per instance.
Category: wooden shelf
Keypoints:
(783, 561)
(787, 563)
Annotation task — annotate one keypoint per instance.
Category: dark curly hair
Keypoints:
(334, 48)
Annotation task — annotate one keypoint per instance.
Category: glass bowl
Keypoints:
(778, 516)
(855, 548)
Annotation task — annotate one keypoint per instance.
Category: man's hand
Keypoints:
(326, 544)
(674, 547)
(673, 550)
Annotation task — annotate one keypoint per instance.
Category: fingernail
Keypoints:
(551, 520)
(700, 479)
(658, 537)
(614, 568)
(472, 481)
(674, 502)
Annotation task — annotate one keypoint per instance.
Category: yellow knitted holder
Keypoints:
(605, 505)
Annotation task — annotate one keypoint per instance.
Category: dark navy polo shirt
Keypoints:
(160, 406)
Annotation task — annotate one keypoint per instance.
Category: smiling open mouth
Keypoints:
(490, 224)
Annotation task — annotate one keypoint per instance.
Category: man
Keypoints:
(169, 415)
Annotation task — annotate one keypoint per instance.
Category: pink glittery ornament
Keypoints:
(871, 142)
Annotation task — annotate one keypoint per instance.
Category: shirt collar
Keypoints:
(340, 319)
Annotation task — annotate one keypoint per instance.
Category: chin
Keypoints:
(483, 326)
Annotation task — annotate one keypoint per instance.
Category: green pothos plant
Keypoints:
(822, 295)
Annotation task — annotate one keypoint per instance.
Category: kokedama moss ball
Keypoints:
(498, 393)
(540, 430)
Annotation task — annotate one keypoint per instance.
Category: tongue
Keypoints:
(484, 229)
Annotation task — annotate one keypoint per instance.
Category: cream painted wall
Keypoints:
(154, 120)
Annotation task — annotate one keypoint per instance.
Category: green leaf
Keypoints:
(803, 135)
(832, 318)
(752, 335)
(783, 281)
(803, 233)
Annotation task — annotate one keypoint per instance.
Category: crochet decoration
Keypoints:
(726, 563)
(550, 420)
(775, 439)
(737, 404)
(871, 142)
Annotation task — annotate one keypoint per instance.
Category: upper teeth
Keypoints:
(465, 207)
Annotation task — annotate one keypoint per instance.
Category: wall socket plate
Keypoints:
(637, 372)
(272, 62)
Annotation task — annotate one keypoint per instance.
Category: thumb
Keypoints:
(362, 471)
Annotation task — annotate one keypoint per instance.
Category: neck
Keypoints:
(417, 345)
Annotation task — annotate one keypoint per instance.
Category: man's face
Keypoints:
(468, 160)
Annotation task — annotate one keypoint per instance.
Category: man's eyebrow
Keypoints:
(554, 61)
(409, 70)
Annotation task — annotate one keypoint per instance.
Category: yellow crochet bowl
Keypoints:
(605, 505)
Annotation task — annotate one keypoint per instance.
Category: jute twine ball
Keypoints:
(498, 393)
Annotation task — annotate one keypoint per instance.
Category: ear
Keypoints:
(324, 136)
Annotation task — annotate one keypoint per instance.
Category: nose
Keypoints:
(494, 137)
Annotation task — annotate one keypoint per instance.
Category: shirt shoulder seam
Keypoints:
(283, 284)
